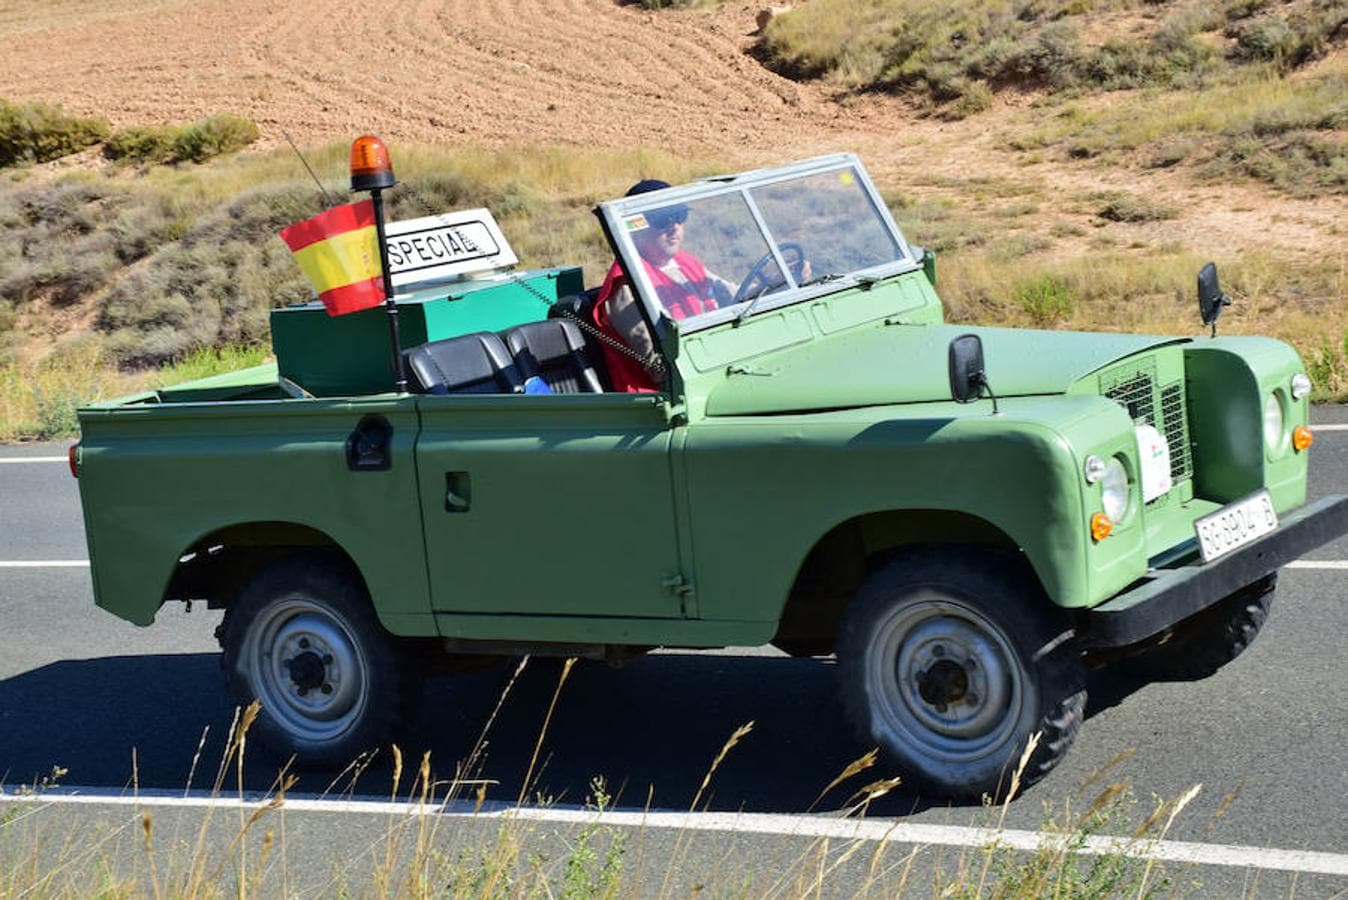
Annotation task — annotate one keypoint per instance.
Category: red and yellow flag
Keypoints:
(338, 252)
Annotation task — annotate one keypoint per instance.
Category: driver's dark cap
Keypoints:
(661, 218)
(646, 185)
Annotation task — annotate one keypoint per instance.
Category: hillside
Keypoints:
(1029, 177)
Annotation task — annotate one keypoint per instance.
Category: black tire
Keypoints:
(1201, 644)
(303, 639)
(949, 661)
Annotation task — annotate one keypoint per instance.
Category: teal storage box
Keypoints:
(352, 354)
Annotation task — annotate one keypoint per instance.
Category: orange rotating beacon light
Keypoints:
(372, 170)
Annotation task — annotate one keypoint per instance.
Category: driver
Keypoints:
(681, 281)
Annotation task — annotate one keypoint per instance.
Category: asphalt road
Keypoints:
(112, 703)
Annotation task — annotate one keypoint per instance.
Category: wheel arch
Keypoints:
(213, 567)
(841, 560)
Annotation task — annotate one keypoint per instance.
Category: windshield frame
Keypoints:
(614, 212)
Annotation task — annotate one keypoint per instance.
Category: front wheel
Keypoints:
(303, 640)
(1201, 644)
(950, 660)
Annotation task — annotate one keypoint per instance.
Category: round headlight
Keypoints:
(1301, 385)
(1114, 489)
(1273, 421)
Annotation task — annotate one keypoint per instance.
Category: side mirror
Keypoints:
(967, 378)
(1210, 296)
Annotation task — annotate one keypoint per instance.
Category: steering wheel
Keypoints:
(757, 277)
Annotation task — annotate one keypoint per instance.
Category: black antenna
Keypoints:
(328, 202)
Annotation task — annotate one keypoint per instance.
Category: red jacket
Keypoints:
(625, 372)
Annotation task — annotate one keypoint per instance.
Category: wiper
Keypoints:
(748, 310)
(821, 279)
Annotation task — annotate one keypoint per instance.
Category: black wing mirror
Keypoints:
(1210, 296)
(968, 380)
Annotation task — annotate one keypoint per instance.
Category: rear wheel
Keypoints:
(303, 639)
(1201, 644)
(949, 661)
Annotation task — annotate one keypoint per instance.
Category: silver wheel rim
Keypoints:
(307, 669)
(944, 681)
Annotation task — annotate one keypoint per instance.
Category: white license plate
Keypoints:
(1235, 525)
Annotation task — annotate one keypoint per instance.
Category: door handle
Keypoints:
(458, 492)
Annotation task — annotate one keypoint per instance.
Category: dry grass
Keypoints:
(245, 849)
(38, 399)
(200, 265)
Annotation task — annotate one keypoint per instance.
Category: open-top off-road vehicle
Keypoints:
(968, 517)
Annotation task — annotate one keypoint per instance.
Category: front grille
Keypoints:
(1134, 388)
(1175, 427)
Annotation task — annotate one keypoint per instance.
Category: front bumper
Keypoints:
(1166, 596)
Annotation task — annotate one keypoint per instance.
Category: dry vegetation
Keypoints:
(1095, 846)
(1072, 161)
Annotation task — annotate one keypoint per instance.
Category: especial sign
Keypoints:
(446, 246)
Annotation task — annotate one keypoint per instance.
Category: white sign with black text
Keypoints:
(446, 246)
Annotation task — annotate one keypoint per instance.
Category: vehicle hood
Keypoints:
(909, 364)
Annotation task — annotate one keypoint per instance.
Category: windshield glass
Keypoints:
(830, 217)
(725, 247)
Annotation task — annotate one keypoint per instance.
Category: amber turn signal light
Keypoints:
(1101, 527)
(73, 456)
(371, 168)
(1302, 437)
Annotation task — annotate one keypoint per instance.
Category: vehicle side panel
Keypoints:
(157, 478)
(763, 490)
(562, 506)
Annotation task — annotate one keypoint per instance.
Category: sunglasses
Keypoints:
(662, 219)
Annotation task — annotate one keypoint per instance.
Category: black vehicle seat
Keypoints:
(472, 364)
(555, 350)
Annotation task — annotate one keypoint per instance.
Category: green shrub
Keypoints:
(147, 144)
(1047, 299)
(1293, 41)
(55, 239)
(213, 136)
(1301, 163)
(201, 140)
(39, 132)
(1124, 207)
(214, 286)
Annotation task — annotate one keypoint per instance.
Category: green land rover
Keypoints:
(970, 518)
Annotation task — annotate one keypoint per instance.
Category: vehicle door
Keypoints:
(555, 504)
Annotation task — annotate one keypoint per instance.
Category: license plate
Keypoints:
(1235, 525)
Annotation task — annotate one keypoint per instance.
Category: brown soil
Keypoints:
(574, 72)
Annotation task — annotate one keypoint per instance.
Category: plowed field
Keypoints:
(574, 72)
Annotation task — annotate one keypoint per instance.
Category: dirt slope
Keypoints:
(578, 72)
(571, 71)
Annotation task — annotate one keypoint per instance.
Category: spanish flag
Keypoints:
(338, 252)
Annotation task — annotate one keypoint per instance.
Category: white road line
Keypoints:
(1309, 862)
(1338, 427)
(1318, 564)
(35, 459)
